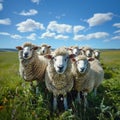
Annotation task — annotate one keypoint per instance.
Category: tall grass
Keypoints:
(19, 102)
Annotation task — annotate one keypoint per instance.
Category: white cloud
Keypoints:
(99, 18)
(35, 1)
(116, 38)
(116, 25)
(29, 13)
(4, 33)
(97, 35)
(32, 36)
(118, 31)
(107, 40)
(29, 25)
(6, 21)
(61, 37)
(77, 28)
(15, 36)
(79, 37)
(59, 28)
(48, 35)
(1, 6)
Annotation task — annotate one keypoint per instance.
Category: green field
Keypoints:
(19, 102)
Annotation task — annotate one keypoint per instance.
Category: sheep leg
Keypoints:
(65, 103)
(37, 88)
(95, 92)
(31, 85)
(78, 97)
(85, 100)
(54, 103)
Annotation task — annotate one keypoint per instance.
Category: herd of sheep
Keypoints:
(62, 69)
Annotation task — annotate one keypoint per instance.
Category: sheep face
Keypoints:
(75, 51)
(27, 51)
(88, 53)
(43, 50)
(60, 63)
(96, 53)
(82, 65)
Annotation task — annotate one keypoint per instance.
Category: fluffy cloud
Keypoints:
(4, 33)
(116, 25)
(116, 38)
(1, 7)
(32, 36)
(77, 28)
(96, 35)
(15, 36)
(29, 13)
(29, 25)
(118, 31)
(79, 37)
(48, 35)
(61, 37)
(59, 28)
(6, 21)
(35, 1)
(99, 18)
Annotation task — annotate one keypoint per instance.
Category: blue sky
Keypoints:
(94, 23)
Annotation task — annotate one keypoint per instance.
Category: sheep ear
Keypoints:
(49, 46)
(73, 59)
(35, 48)
(48, 56)
(70, 49)
(90, 59)
(71, 56)
(19, 48)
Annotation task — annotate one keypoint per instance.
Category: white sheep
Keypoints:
(32, 66)
(87, 51)
(88, 74)
(96, 54)
(44, 49)
(74, 50)
(58, 77)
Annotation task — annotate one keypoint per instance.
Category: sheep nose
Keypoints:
(75, 53)
(43, 51)
(60, 67)
(26, 54)
(82, 69)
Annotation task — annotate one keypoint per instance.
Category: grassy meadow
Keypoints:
(19, 102)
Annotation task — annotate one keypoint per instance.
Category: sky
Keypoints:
(94, 23)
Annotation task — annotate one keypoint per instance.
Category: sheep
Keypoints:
(74, 50)
(44, 49)
(58, 77)
(88, 75)
(96, 54)
(87, 51)
(31, 65)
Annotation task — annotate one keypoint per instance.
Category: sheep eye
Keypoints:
(54, 59)
(66, 59)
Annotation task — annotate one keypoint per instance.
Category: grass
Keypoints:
(19, 102)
